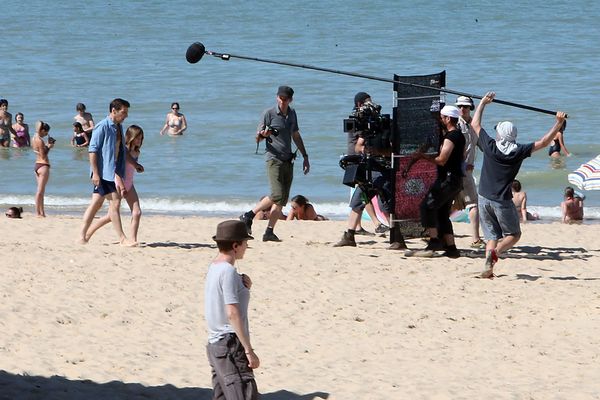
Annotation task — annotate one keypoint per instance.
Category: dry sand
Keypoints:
(103, 321)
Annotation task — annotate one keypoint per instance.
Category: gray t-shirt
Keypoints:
(281, 146)
(223, 286)
(470, 140)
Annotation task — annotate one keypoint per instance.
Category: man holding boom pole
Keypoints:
(502, 159)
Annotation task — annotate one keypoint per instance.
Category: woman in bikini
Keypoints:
(175, 123)
(21, 137)
(42, 164)
(6, 129)
(302, 210)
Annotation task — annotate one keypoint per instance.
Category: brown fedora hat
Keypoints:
(232, 231)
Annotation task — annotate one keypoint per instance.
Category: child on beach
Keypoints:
(80, 138)
(134, 137)
(571, 207)
(301, 209)
(520, 201)
(42, 164)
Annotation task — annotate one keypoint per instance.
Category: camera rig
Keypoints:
(374, 128)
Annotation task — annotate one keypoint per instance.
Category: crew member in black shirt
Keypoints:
(435, 208)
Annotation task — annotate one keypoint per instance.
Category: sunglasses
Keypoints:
(175, 108)
(463, 106)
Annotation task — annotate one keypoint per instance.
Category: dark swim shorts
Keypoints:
(105, 188)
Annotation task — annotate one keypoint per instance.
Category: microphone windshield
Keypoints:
(194, 52)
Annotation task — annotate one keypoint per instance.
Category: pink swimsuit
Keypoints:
(129, 171)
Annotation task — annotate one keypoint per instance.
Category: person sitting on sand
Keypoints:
(520, 201)
(303, 210)
(571, 207)
(264, 215)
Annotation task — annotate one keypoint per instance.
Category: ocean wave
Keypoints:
(220, 207)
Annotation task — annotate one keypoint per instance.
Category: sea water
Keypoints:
(57, 54)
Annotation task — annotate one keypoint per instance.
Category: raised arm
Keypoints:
(476, 122)
(545, 140)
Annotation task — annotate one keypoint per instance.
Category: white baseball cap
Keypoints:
(450, 111)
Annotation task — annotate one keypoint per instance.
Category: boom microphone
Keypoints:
(195, 52)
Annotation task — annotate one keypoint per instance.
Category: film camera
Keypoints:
(375, 128)
(273, 131)
(368, 121)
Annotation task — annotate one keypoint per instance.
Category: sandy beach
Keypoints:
(106, 322)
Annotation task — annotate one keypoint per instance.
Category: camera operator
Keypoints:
(375, 146)
(352, 136)
(279, 126)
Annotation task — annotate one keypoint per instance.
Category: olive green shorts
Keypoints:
(281, 174)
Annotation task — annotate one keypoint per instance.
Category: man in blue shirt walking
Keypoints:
(107, 165)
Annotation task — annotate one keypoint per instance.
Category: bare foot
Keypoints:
(82, 241)
(128, 243)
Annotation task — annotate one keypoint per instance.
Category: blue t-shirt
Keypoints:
(499, 170)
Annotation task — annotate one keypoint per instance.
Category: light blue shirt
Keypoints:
(224, 285)
(104, 137)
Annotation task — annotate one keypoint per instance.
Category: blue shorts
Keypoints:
(498, 218)
(105, 188)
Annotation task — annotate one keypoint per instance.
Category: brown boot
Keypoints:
(347, 240)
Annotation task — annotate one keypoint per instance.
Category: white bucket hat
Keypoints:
(465, 101)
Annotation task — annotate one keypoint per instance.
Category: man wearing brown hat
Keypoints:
(226, 297)
(278, 126)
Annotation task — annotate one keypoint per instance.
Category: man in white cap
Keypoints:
(435, 208)
(469, 193)
(502, 159)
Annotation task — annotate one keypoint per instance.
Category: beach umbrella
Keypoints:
(587, 176)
